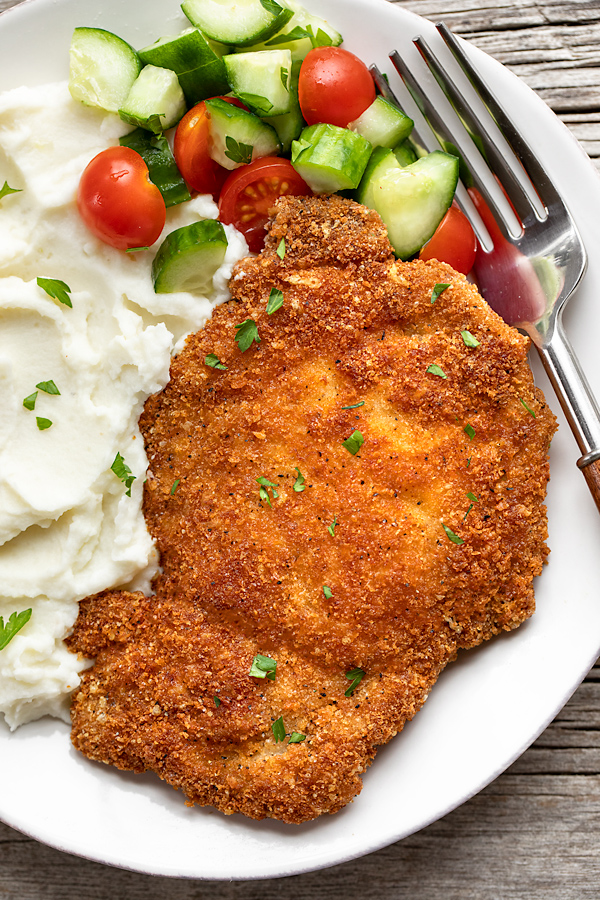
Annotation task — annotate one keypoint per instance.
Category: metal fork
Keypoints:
(531, 255)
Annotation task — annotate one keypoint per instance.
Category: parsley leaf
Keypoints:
(259, 105)
(296, 34)
(5, 190)
(56, 289)
(299, 482)
(214, 362)
(247, 332)
(263, 667)
(237, 152)
(48, 387)
(469, 339)
(217, 701)
(331, 528)
(469, 431)
(275, 301)
(472, 497)
(528, 408)
(278, 728)
(123, 473)
(355, 676)
(135, 249)
(15, 623)
(29, 402)
(281, 248)
(435, 370)
(437, 290)
(354, 405)
(320, 39)
(451, 536)
(174, 486)
(271, 6)
(42, 423)
(327, 591)
(296, 737)
(284, 75)
(354, 442)
(263, 493)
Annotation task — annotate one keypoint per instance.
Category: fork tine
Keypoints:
(535, 171)
(502, 160)
(466, 147)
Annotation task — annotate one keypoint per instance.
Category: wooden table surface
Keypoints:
(535, 832)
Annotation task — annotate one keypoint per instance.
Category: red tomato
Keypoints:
(335, 86)
(118, 202)
(250, 192)
(191, 151)
(453, 242)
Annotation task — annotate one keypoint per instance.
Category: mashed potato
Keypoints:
(67, 526)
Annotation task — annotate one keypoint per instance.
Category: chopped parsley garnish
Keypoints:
(238, 152)
(469, 339)
(299, 482)
(355, 676)
(469, 431)
(284, 75)
(42, 423)
(451, 536)
(327, 591)
(331, 528)
(437, 290)
(354, 405)
(15, 623)
(259, 105)
(48, 387)
(296, 34)
(214, 362)
(321, 39)
(29, 402)
(217, 701)
(263, 667)
(247, 332)
(296, 737)
(275, 301)
(528, 408)
(56, 289)
(354, 442)
(263, 492)
(175, 485)
(135, 249)
(271, 6)
(123, 473)
(473, 500)
(278, 729)
(435, 370)
(281, 248)
(5, 190)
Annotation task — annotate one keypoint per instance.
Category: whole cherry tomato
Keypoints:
(191, 150)
(334, 86)
(453, 242)
(250, 192)
(118, 202)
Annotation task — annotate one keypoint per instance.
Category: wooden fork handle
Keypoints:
(591, 472)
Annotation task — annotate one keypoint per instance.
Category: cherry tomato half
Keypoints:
(250, 192)
(118, 202)
(334, 86)
(453, 242)
(191, 151)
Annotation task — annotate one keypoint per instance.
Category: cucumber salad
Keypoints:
(255, 100)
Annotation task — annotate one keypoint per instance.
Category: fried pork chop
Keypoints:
(379, 558)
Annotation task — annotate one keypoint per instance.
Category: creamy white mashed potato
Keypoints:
(67, 527)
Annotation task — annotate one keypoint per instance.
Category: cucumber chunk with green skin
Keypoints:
(383, 124)
(261, 80)
(155, 101)
(162, 169)
(102, 68)
(330, 158)
(201, 72)
(412, 200)
(237, 22)
(405, 153)
(189, 257)
(382, 160)
(290, 125)
(238, 136)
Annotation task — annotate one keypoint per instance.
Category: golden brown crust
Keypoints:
(241, 577)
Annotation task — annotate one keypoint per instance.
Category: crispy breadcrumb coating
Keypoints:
(387, 560)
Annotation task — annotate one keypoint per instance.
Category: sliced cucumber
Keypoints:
(155, 101)
(102, 68)
(412, 200)
(188, 258)
(261, 80)
(405, 153)
(330, 158)
(383, 124)
(201, 72)
(289, 126)
(156, 153)
(237, 22)
(303, 32)
(382, 159)
(238, 136)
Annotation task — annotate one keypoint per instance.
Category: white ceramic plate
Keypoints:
(487, 707)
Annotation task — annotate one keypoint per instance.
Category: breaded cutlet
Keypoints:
(360, 567)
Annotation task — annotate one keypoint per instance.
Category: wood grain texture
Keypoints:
(535, 832)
